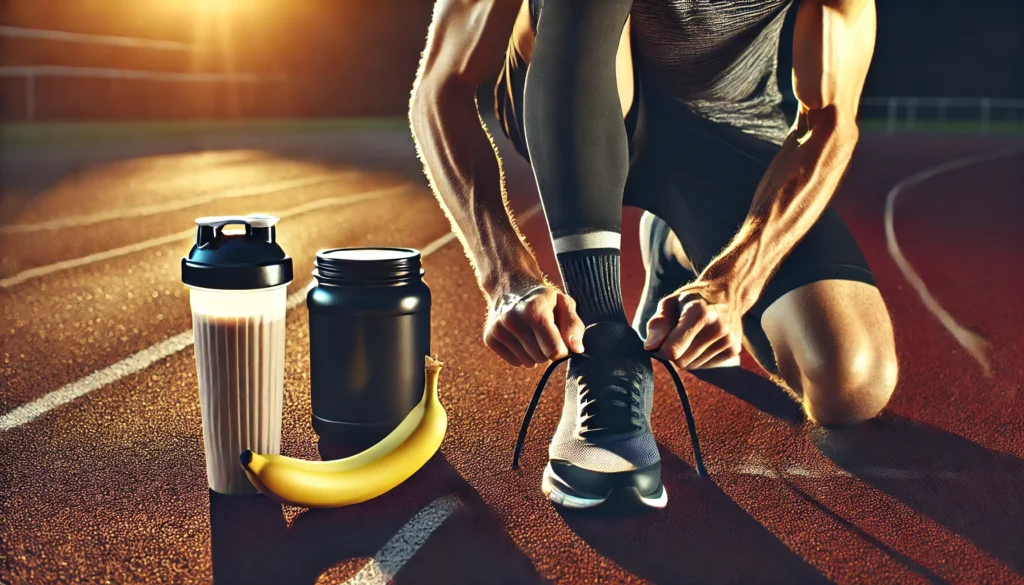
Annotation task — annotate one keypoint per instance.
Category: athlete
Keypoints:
(671, 106)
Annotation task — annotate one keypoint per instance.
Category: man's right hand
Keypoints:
(534, 327)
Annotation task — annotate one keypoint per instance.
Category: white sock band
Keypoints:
(588, 241)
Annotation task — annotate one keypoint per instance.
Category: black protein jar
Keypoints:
(369, 330)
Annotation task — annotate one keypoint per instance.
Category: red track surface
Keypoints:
(111, 487)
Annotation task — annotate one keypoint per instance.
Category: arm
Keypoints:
(833, 42)
(465, 46)
(529, 320)
(832, 45)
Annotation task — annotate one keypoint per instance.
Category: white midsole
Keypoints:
(576, 502)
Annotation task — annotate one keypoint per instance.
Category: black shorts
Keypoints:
(700, 177)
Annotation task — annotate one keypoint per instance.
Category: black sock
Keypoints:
(591, 278)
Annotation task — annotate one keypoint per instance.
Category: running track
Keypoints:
(102, 474)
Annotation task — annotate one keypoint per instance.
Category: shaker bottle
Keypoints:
(369, 330)
(238, 289)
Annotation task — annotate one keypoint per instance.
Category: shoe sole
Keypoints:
(548, 485)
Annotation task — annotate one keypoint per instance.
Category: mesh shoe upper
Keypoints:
(605, 425)
(664, 274)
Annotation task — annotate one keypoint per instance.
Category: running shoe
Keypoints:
(665, 274)
(603, 444)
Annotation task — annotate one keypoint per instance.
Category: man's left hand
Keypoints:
(697, 326)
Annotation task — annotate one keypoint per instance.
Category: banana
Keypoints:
(361, 477)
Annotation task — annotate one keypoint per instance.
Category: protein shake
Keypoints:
(238, 291)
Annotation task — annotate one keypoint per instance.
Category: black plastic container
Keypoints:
(369, 330)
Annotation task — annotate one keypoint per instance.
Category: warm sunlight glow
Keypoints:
(212, 20)
(219, 6)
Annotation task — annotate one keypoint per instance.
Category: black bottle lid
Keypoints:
(367, 265)
(236, 261)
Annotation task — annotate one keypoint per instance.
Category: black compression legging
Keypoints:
(573, 118)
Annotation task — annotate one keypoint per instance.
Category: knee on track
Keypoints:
(849, 388)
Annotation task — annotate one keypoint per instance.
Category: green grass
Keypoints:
(78, 134)
(958, 127)
(54, 134)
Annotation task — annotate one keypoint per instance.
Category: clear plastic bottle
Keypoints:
(238, 293)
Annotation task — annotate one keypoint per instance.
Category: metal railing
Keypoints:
(914, 112)
(30, 73)
(898, 112)
(117, 41)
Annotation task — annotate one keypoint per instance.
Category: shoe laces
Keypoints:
(680, 389)
(609, 395)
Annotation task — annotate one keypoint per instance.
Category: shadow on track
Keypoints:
(899, 557)
(703, 536)
(759, 392)
(973, 491)
(251, 542)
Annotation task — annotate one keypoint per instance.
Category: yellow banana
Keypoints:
(361, 477)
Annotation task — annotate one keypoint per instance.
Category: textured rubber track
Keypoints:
(111, 487)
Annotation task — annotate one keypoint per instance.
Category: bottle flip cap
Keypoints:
(236, 261)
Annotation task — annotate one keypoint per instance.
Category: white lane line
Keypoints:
(33, 273)
(764, 471)
(108, 375)
(126, 367)
(145, 358)
(185, 203)
(441, 242)
(437, 244)
(974, 344)
(403, 545)
(866, 472)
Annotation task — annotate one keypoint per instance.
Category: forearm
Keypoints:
(464, 171)
(794, 192)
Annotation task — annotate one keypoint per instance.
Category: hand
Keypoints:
(532, 328)
(696, 327)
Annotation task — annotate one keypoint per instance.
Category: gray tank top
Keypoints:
(718, 57)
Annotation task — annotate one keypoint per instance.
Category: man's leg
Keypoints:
(829, 341)
(603, 443)
(833, 342)
(579, 146)
(820, 325)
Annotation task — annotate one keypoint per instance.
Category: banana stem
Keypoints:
(432, 367)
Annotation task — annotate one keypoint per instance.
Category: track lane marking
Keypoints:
(130, 365)
(39, 271)
(391, 557)
(974, 344)
(108, 375)
(868, 471)
(178, 204)
(143, 359)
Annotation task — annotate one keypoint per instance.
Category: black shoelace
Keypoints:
(701, 470)
(611, 398)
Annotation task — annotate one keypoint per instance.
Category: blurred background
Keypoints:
(936, 60)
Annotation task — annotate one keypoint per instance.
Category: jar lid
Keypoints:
(245, 260)
(369, 265)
